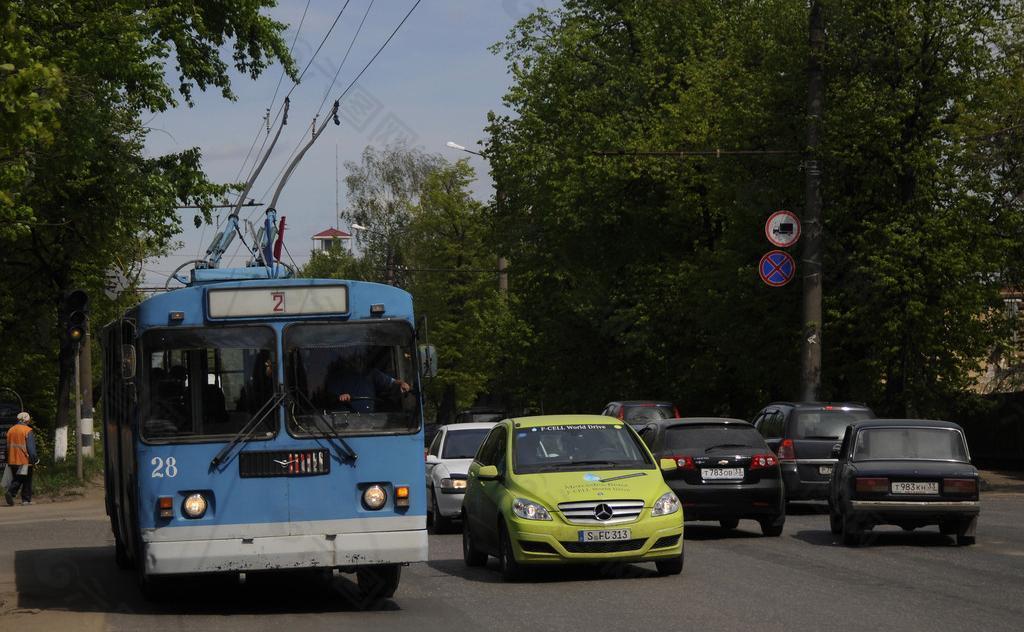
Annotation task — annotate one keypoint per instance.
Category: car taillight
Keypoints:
(960, 486)
(684, 462)
(761, 461)
(426, 451)
(622, 414)
(675, 411)
(872, 485)
(787, 452)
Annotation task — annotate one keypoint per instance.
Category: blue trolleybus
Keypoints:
(258, 423)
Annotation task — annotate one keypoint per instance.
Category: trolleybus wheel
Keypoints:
(121, 554)
(378, 582)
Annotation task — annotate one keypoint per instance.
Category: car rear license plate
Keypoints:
(604, 535)
(721, 473)
(825, 470)
(906, 487)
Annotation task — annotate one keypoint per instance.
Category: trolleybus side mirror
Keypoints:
(428, 361)
(128, 361)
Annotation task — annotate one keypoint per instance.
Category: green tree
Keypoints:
(453, 278)
(87, 198)
(645, 268)
(383, 188)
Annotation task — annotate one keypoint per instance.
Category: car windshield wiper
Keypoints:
(249, 429)
(725, 445)
(595, 462)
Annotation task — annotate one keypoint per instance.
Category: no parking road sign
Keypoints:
(777, 268)
(782, 229)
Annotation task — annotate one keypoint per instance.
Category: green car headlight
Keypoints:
(667, 504)
(529, 510)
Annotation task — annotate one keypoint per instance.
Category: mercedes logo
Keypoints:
(603, 512)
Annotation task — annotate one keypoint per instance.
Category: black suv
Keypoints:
(803, 435)
(640, 411)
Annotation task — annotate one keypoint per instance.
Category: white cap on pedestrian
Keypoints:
(24, 417)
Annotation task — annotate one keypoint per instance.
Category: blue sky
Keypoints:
(434, 82)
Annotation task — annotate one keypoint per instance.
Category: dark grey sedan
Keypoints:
(906, 472)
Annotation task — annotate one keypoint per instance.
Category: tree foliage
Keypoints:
(77, 194)
(643, 269)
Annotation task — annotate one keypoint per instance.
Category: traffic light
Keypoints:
(76, 315)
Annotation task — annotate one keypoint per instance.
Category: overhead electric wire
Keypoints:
(327, 92)
(265, 121)
(379, 50)
(347, 89)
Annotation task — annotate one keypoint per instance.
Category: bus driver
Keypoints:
(357, 385)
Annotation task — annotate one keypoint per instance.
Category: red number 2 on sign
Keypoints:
(278, 298)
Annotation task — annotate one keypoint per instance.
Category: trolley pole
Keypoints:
(810, 375)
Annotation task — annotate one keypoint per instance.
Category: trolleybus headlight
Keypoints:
(374, 497)
(194, 506)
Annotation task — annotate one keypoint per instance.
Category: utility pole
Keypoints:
(78, 415)
(86, 427)
(810, 374)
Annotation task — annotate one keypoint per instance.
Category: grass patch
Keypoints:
(59, 479)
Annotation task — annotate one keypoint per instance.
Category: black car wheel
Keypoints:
(851, 530)
(731, 523)
(964, 540)
(965, 532)
(510, 568)
(835, 521)
(772, 527)
(438, 524)
(470, 555)
(672, 566)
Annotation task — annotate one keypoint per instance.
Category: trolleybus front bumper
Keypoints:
(165, 556)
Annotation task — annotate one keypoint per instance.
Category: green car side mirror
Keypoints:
(487, 473)
(667, 465)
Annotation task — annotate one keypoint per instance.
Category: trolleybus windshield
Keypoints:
(346, 378)
(206, 383)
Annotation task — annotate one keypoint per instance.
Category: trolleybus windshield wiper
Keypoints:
(249, 429)
(319, 418)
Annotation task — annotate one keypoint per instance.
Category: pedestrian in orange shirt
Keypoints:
(21, 457)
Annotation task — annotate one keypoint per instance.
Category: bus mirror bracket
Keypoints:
(428, 361)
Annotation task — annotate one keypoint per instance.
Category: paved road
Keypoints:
(57, 572)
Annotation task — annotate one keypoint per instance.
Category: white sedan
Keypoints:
(448, 459)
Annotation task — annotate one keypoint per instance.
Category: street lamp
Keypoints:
(389, 254)
(459, 147)
(502, 261)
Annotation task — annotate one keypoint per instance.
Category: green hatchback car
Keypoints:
(569, 489)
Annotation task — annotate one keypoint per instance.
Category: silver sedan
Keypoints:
(448, 459)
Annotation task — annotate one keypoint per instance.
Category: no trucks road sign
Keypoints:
(777, 268)
(782, 229)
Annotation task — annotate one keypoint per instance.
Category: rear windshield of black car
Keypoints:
(645, 412)
(825, 424)
(931, 444)
(463, 444)
(700, 438)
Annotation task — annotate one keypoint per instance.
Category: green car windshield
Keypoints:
(577, 447)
